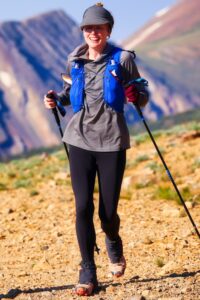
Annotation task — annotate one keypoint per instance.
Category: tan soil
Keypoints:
(39, 252)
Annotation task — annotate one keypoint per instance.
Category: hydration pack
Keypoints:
(113, 91)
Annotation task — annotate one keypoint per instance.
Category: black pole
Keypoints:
(55, 112)
(167, 170)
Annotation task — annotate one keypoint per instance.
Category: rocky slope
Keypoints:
(32, 55)
(169, 56)
(39, 252)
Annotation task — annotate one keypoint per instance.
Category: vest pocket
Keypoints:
(113, 89)
(77, 89)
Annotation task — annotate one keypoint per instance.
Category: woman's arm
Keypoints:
(136, 92)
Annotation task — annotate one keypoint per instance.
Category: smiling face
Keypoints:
(96, 36)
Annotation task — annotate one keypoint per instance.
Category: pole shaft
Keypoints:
(55, 112)
(167, 170)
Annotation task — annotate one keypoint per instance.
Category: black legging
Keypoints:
(109, 167)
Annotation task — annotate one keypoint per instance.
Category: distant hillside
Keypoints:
(169, 57)
(33, 53)
(166, 123)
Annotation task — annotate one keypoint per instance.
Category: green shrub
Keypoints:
(178, 129)
(61, 156)
(30, 163)
(2, 168)
(154, 166)
(49, 171)
(61, 181)
(3, 187)
(12, 174)
(126, 194)
(141, 158)
(194, 126)
(142, 138)
(166, 193)
(160, 262)
(34, 193)
(197, 163)
(22, 183)
(130, 164)
(170, 194)
(143, 185)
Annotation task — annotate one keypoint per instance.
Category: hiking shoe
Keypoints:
(84, 289)
(87, 280)
(115, 254)
(118, 269)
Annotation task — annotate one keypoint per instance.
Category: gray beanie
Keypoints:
(97, 15)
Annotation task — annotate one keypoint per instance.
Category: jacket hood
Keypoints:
(80, 52)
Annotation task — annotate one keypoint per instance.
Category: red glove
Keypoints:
(131, 93)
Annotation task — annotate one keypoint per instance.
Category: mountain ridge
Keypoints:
(169, 58)
(31, 62)
(33, 53)
(176, 21)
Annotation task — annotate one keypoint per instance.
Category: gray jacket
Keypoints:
(97, 127)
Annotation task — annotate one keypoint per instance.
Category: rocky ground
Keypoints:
(39, 252)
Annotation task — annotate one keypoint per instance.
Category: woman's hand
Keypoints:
(132, 94)
(49, 99)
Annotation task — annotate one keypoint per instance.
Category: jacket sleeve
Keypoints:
(130, 72)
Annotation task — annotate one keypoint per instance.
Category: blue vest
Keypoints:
(113, 91)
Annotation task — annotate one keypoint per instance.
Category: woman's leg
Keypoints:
(110, 168)
(83, 170)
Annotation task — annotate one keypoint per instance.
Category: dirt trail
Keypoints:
(39, 252)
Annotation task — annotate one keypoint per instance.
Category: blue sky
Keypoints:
(130, 15)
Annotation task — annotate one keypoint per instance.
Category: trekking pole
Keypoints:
(63, 112)
(55, 113)
(167, 170)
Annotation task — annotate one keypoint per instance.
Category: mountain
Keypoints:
(32, 55)
(168, 52)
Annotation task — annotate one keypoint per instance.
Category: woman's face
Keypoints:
(96, 36)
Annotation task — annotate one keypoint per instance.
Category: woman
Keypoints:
(98, 137)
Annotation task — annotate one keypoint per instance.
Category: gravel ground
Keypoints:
(40, 255)
(39, 252)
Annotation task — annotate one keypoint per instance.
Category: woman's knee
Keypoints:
(84, 211)
(110, 225)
